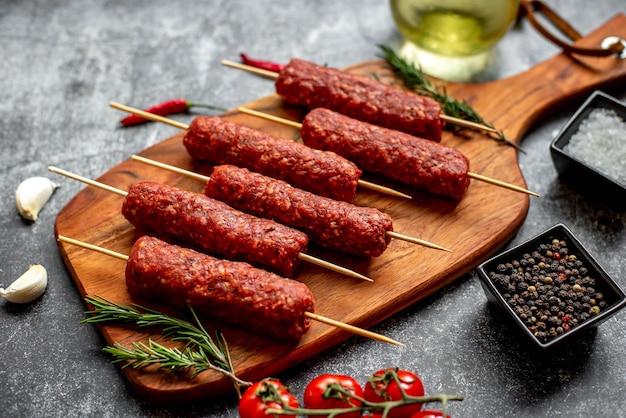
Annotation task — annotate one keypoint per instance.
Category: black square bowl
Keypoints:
(586, 178)
(497, 293)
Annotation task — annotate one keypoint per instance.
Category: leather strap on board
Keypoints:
(610, 46)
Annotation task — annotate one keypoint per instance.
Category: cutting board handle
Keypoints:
(529, 8)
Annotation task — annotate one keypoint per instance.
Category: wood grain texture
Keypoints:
(474, 228)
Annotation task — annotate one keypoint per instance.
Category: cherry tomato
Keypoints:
(315, 390)
(429, 413)
(381, 387)
(263, 395)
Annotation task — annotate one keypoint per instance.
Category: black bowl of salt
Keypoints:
(589, 152)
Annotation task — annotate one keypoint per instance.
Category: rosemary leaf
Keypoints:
(172, 359)
(200, 353)
(415, 79)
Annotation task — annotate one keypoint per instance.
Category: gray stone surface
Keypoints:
(63, 61)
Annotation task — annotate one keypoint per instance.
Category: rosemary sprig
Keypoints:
(143, 355)
(200, 353)
(414, 79)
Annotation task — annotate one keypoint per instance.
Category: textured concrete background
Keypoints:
(61, 62)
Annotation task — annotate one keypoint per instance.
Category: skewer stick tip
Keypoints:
(355, 330)
(270, 117)
(382, 189)
(87, 181)
(418, 241)
(148, 115)
(479, 127)
(333, 267)
(250, 69)
(169, 167)
(501, 184)
(92, 247)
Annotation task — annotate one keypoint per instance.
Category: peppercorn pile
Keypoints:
(549, 290)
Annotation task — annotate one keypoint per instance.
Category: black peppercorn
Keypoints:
(549, 289)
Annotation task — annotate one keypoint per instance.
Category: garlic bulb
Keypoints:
(31, 196)
(28, 287)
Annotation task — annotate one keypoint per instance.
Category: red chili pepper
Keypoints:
(265, 65)
(169, 107)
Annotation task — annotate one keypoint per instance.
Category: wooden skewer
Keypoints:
(249, 68)
(450, 119)
(301, 256)
(316, 317)
(176, 124)
(88, 181)
(270, 117)
(468, 124)
(501, 183)
(298, 125)
(351, 328)
(92, 247)
(149, 116)
(206, 179)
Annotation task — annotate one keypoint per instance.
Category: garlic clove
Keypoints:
(32, 194)
(28, 287)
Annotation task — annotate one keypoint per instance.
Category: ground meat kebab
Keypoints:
(414, 161)
(228, 291)
(310, 85)
(324, 173)
(329, 223)
(214, 226)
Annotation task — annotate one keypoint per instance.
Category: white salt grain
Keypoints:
(600, 142)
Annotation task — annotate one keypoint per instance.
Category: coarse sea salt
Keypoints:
(600, 142)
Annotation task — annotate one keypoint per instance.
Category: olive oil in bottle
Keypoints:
(454, 28)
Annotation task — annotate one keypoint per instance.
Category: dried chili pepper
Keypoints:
(169, 107)
(265, 65)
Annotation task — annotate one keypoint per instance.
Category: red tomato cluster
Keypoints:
(332, 391)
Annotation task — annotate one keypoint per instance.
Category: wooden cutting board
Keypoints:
(474, 228)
